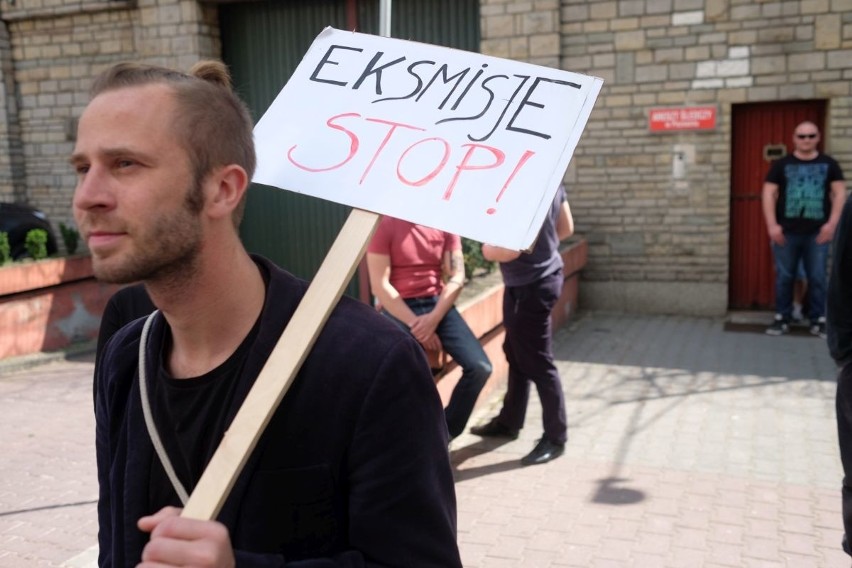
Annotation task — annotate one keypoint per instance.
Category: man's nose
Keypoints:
(93, 191)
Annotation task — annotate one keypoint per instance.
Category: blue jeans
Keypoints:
(802, 248)
(458, 340)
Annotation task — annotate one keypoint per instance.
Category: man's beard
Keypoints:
(166, 252)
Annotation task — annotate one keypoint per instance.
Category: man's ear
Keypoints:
(229, 184)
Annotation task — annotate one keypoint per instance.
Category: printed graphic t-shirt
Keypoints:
(804, 191)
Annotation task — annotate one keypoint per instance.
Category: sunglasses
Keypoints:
(802, 136)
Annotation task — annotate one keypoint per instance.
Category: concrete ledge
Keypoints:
(49, 305)
(663, 298)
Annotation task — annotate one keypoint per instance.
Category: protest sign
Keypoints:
(459, 141)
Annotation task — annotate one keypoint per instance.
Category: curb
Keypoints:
(23, 362)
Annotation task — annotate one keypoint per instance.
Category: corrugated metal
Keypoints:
(262, 43)
(751, 282)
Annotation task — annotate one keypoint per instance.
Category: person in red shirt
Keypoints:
(416, 274)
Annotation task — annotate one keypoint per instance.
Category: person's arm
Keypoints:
(102, 457)
(499, 254)
(402, 504)
(379, 269)
(838, 311)
(838, 198)
(565, 222)
(452, 266)
(770, 198)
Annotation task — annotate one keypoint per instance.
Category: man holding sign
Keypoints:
(352, 468)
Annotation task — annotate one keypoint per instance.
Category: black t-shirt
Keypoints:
(191, 419)
(804, 191)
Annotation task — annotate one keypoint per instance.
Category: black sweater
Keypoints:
(352, 469)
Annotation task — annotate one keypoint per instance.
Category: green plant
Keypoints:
(473, 258)
(36, 243)
(5, 248)
(70, 236)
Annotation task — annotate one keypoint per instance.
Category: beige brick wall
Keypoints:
(55, 49)
(651, 236)
(521, 30)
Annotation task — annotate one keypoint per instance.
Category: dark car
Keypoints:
(17, 220)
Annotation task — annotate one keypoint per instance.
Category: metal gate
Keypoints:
(262, 43)
(761, 132)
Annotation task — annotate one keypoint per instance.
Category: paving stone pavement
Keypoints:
(689, 446)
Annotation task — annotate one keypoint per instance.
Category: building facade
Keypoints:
(699, 96)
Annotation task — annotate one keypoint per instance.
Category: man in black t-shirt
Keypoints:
(803, 195)
(352, 468)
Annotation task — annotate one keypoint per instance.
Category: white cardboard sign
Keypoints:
(463, 142)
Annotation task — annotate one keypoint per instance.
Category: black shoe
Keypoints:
(779, 326)
(494, 429)
(543, 452)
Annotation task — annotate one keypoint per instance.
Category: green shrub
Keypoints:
(36, 243)
(70, 236)
(473, 258)
(5, 248)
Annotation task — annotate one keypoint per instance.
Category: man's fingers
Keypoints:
(189, 529)
(176, 552)
(147, 524)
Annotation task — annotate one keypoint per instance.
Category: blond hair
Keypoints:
(212, 124)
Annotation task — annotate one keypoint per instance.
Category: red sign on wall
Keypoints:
(682, 118)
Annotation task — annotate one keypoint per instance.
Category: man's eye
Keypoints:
(125, 163)
(82, 169)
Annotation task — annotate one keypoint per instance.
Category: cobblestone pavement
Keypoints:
(689, 446)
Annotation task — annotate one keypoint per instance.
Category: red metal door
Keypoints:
(761, 132)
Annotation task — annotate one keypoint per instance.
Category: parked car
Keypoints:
(17, 220)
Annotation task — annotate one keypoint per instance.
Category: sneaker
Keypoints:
(818, 328)
(797, 312)
(779, 327)
(494, 429)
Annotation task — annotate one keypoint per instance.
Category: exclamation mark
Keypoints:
(527, 155)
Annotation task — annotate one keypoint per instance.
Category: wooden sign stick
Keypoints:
(282, 366)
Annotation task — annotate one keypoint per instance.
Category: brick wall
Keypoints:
(49, 52)
(658, 242)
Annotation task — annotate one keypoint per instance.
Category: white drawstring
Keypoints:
(149, 418)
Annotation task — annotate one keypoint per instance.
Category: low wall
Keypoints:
(53, 303)
(49, 304)
(484, 314)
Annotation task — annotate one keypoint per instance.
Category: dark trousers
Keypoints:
(843, 404)
(458, 340)
(529, 351)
